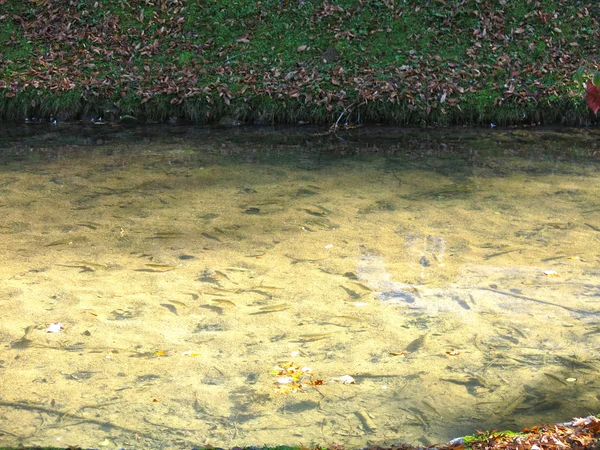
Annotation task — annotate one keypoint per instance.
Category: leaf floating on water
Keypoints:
(55, 327)
(551, 274)
(344, 379)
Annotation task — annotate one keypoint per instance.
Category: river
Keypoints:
(170, 287)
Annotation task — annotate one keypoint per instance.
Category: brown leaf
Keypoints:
(592, 96)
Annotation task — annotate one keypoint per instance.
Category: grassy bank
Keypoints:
(353, 61)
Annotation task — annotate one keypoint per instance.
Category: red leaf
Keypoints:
(592, 96)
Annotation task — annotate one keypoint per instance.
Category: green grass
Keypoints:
(397, 59)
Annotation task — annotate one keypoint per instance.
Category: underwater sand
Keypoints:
(458, 288)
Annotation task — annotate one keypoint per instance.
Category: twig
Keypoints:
(348, 110)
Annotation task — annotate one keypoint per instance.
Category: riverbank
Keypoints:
(265, 62)
(580, 434)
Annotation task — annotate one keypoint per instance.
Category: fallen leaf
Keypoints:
(55, 327)
(345, 379)
(592, 96)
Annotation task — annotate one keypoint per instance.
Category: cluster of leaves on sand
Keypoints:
(579, 434)
(444, 61)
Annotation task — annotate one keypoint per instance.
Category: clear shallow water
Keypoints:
(454, 276)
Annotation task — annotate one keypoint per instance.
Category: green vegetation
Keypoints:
(352, 61)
